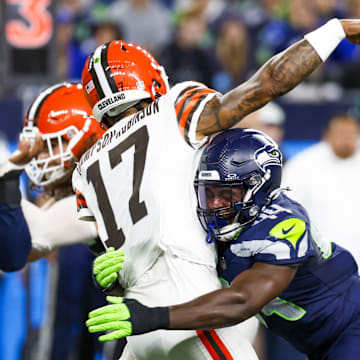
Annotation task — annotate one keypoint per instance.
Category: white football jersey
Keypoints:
(136, 182)
(57, 225)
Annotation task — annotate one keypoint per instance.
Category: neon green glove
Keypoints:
(111, 317)
(107, 266)
(126, 317)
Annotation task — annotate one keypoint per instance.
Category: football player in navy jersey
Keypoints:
(278, 267)
(15, 240)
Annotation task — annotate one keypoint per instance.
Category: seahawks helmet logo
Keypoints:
(268, 155)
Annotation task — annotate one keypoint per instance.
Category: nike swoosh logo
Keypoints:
(287, 230)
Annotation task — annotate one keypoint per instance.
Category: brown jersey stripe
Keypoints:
(80, 200)
(190, 105)
(189, 118)
(180, 105)
(79, 195)
(190, 102)
(80, 207)
(180, 96)
(214, 345)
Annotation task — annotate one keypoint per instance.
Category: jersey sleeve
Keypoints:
(83, 212)
(287, 242)
(15, 238)
(57, 225)
(189, 99)
(280, 240)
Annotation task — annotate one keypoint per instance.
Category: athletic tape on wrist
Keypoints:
(326, 38)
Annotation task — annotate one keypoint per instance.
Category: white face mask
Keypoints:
(47, 170)
(60, 157)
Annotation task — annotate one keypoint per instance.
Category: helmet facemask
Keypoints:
(225, 223)
(243, 158)
(63, 118)
(47, 170)
(61, 160)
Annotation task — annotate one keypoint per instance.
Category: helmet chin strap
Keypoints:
(228, 232)
(231, 231)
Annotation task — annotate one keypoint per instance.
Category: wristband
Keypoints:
(326, 38)
(145, 319)
(9, 189)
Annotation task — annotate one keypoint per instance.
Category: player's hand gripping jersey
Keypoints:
(136, 182)
(324, 287)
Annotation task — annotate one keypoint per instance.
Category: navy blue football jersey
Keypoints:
(324, 295)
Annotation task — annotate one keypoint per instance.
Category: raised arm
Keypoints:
(278, 76)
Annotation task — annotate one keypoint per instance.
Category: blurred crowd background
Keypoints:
(220, 43)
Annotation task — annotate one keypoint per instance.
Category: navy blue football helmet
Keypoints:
(238, 174)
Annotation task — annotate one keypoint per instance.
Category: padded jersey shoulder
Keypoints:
(280, 235)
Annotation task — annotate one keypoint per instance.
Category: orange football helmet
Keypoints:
(59, 112)
(119, 74)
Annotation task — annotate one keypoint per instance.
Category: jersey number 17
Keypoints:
(137, 209)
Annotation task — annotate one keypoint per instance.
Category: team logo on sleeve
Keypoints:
(290, 229)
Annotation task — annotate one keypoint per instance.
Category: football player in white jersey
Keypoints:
(60, 125)
(125, 183)
(58, 128)
(136, 181)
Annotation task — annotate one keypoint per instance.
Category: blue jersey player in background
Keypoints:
(15, 239)
(277, 265)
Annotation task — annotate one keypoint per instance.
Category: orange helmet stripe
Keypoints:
(35, 107)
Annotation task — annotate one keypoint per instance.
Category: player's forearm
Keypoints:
(278, 76)
(286, 70)
(246, 296)
(289, 68)
(218, 309)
